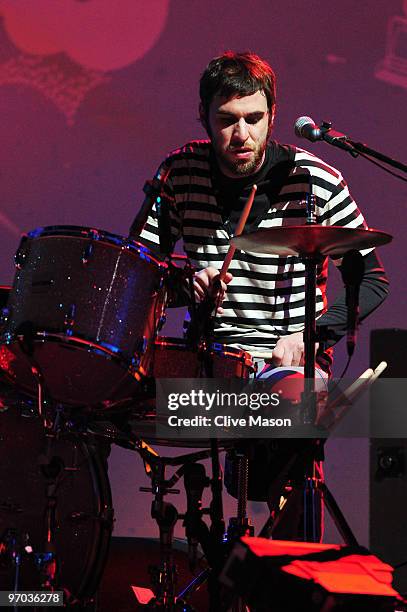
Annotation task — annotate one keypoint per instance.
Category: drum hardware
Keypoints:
(215, 548)
(212, 540)
(303, 479)
(25, 342)
(241, 525)
(69, 319)
(153, 190)
(89, 248)
(21, 253)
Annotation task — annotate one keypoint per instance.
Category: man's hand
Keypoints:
(206, 282)
(289, 350)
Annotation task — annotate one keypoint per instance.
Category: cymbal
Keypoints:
(309, 240)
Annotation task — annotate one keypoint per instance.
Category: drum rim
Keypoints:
(136, 373)
(105, 349)
(172, 342)
(98, 236)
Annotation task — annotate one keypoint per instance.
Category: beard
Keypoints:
(241, 167)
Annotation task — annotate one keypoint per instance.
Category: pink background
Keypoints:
(94, 94)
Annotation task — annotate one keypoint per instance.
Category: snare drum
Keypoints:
(173, 359)
(84, 311)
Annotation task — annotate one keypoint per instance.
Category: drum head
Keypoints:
(32, 462)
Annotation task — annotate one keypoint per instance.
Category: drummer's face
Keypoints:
(239, 128)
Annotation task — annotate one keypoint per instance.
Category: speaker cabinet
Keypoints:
(388, 467)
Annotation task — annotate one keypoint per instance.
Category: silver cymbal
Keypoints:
(309, 240)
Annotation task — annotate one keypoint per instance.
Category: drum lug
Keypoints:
(88, 250)
(21, 254)
(144, 345)
(4, 315)
(140, 349)
(161, 322)
(106, 516)
(69, 319)
(135, 363)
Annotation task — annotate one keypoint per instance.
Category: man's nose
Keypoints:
(241, 131)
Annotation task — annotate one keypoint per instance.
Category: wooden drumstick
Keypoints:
(378, 371)
(239, 230)
(335, 411)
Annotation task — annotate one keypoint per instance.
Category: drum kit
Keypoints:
(79, 352)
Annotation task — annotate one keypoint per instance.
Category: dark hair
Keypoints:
(240, 74)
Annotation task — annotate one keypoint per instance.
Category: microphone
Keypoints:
(153, 190)
(352, 270)
(305, 127)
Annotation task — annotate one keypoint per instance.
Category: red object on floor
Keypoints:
(282, 576)
(143, 595)
(361, 574)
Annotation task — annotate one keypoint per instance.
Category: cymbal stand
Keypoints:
(312, 489)
(300, 464)
(311, 261)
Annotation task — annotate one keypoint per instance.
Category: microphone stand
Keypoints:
(337, 139)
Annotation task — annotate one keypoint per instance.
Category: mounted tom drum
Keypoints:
(83, 314)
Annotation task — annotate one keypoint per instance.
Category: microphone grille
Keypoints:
(301, 123)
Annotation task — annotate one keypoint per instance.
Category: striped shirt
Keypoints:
(265, 299)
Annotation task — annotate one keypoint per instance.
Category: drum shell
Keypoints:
(174, 359)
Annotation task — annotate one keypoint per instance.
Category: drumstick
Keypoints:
(365, 380)
(357, 386)
(378, 371)
(350, 394)
(333, 410)
(239, 230)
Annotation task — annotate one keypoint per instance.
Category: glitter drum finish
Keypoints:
(174, 359)
(84, 311)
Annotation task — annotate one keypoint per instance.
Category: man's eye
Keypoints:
(226, 121)
(255, 119)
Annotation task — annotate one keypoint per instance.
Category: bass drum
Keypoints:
(30, 464)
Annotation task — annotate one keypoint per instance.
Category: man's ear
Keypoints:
(203, 119)
(271, 120)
